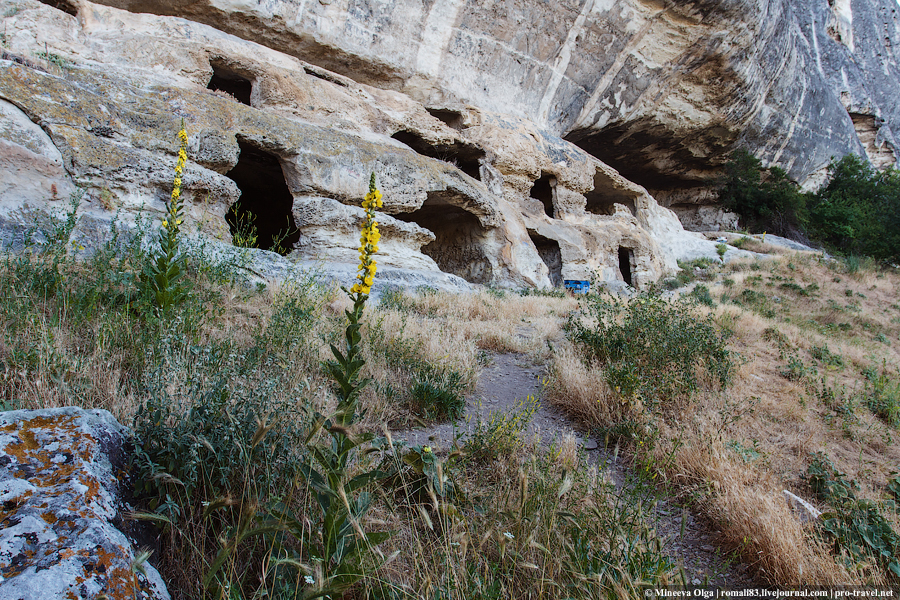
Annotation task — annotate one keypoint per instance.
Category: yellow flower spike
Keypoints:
(368, 241)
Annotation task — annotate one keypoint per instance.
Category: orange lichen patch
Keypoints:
(50, 517)
(121, 582)
(66, 554)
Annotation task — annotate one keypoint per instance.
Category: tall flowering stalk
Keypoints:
(346, 370)
(344, 544)
(167, 265)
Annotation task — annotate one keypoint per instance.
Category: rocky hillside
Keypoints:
(515, 141)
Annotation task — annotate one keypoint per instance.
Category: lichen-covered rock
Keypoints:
(59, 480)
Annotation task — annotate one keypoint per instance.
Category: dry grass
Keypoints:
(733, 452)
(736, 451)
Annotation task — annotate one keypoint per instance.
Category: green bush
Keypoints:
(766, 200)
(650, 347)
(858, 210)
(501, 434)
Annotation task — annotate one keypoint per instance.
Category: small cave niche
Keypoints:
(233, 84)
(451, 118)
(605, 194)
(466, 157)
(543, 190)
(626, 260)
(264, 208)
(551, 254)
(64, 5)
(458, 247)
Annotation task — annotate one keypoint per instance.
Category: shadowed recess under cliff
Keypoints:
(458, 247)
(265, 201)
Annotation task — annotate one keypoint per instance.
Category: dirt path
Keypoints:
(510, 378)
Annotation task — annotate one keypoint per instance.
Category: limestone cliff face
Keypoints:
(515, 141)
(660, 90)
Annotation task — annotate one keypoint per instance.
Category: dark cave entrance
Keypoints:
(467, 157)
(605, 194)
(225, 80)
(265, 203)
(626, 259)
(458, 247)
(543, 190)
(63, 5)
(550, 253)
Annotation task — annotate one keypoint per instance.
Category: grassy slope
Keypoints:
(75, 334)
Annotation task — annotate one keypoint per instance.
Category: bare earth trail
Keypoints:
(510, 378)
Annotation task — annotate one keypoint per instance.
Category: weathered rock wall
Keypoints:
(661, 90)
(476, 192)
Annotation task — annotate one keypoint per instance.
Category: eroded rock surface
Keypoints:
(59, 485)
(661, 90)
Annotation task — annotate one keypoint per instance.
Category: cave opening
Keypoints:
(626, 258)
(551, 254)
(459, 243)
(64, 5)
(233, 84)
(605, 194)
(543, 190)
(262, 217)
(451, 118)
(466, 157)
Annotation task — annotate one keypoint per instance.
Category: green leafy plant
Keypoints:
(721, 249)
(856, 526)
(342, 543)
(882, 396)
(650, 348)
(827, 357)
(501, 434)
(766, 199)
(244, 233)
(164, 274)
(440, 394)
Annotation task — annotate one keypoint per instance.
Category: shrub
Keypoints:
(766, 199)
(650, 347)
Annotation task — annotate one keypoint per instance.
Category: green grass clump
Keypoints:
(501, 434)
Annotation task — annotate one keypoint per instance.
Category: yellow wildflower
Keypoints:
(368, 242)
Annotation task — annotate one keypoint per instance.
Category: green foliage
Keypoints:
(796, 370)
(882, 396)
(440, 395)
(163, 278)
(827, 357)
(702, 295)
(436, 391)
(766, 199)
(858, 210)
(856, 526)
(651, 348)
(543, 292)
(721, 249)
(418, 474)
(213, 438)
(501, 434)
(244, 233)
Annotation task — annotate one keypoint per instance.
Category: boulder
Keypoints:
(61, 480)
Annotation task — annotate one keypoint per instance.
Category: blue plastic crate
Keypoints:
(577, 287)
